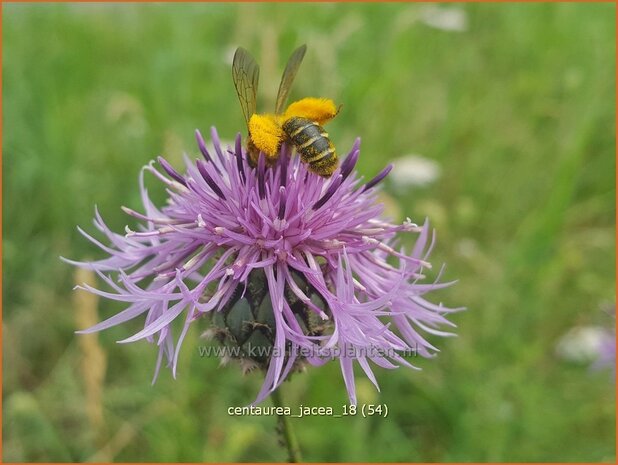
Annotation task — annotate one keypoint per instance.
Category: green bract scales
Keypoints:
(246, 324)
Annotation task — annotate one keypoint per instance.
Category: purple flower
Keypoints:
(225, 219)
(607, 354)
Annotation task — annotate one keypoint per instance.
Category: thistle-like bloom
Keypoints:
(225, 220)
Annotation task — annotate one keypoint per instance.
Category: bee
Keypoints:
(300, 124)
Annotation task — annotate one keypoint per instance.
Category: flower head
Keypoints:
(337, 285)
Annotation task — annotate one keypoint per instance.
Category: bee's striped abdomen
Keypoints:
(313, 145)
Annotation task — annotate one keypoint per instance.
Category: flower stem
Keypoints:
(285, 428)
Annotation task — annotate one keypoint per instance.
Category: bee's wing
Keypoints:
(288, 77)
(246, 74)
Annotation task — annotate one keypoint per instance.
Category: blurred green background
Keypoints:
(513, 102)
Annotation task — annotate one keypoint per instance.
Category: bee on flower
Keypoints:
(282, 252)
(300, 124)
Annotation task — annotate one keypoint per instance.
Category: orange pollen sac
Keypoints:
(320, 110)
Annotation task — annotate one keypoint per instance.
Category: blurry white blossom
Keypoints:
(583, 344)
(447, 19)
(414, 170)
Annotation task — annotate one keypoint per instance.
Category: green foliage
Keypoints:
(518, 110)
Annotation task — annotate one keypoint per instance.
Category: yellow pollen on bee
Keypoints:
(320, 110)
(266, 133)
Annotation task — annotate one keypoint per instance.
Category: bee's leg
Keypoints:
(253, 153)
